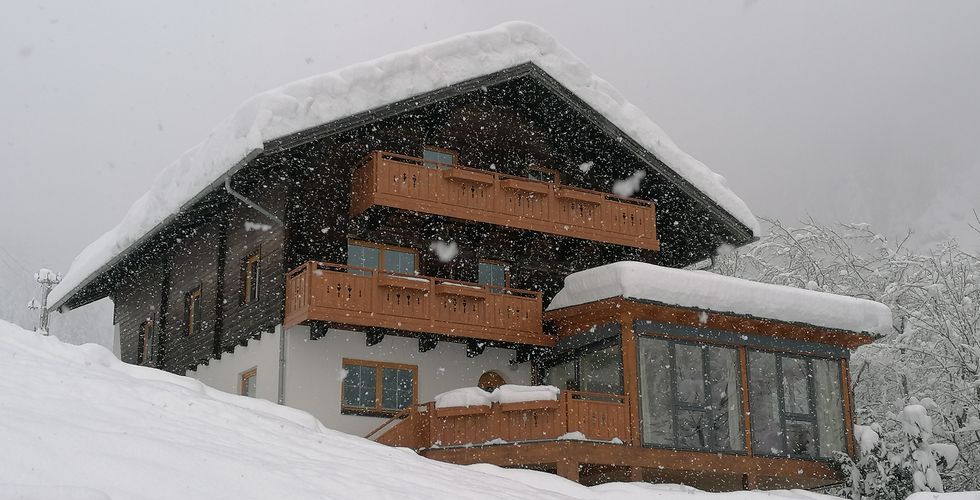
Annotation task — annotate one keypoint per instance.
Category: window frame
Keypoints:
(144, 343)
(193, 323)
(507, 273)
(812, 417)
(250, 278)
(243, 379)
(436, 149)
(381, 247)
(545, 170)
(678, 405)
(377, 410)
(575, 356)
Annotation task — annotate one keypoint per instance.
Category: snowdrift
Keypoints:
(79, 424)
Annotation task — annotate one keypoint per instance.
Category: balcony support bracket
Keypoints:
(427, 342)
(374, 336)
(475, 348)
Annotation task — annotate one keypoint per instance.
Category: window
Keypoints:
(250, 278)
(691, 395)
(597, 367)
(544, 174)
(383, 257)
(192, 311)
(495, 274)
(145, 348)
(796, 405)
(438, 157)
(247, 381)
(377, 388)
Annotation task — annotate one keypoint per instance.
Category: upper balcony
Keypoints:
(410, 183)
(366, 297)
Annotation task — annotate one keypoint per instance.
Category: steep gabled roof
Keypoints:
(313, 102)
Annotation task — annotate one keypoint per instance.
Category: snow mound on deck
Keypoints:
(80, 424)
(325, 98)
(507, 393)
(714, 292)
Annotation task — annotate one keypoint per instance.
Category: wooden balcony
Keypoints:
(599, 417)
(409, 183)
(364, 297)
(536, 435)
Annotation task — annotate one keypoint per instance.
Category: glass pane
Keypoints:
(562, 376)
(767, 437)
(690, 374)
(655, 393)
(396, 388)
(250, 386)
(541, 175)
(691, 429)
(725, 399)
(602, 370)
(800, 438)
(359, 386)
(361, 256)
(830, 406)
(492, 274)
(397, 261)
(796, 387)
(434, 157)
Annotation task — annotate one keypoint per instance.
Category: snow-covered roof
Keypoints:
(724, 294)
(325, 98)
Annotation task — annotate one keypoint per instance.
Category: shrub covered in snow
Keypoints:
(898, 458)
(932, 351)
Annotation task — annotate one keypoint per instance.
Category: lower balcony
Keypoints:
(575, 415)
(585, 437)
(362, 297)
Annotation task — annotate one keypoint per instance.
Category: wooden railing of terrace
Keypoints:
(357, 296)
(409, 183)
(597, 416)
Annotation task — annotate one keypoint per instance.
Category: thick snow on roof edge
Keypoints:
(80, 424)
(325, 98)
(714, 292)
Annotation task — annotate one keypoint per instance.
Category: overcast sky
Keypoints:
(850, 111)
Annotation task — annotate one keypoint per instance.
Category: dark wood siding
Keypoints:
(249, 231)
(194, 264)
(137, 299)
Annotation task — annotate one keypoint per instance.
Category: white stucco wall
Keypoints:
(263, 355)
(314, 370)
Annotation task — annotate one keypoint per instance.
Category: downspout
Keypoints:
(281, 395)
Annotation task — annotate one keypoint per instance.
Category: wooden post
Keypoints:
(631, 377)
(744, 362)
(845, 387)
(748, 482)
(568, 469)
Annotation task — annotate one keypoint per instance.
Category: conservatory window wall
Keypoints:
(691, 398)
(596, 367)
(796, 405)
(690, 395)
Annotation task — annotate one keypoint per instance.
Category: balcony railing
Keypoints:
(597, 416)
(409, 183)
(356, 296)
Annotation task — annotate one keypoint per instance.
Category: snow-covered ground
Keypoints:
(76, 423)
